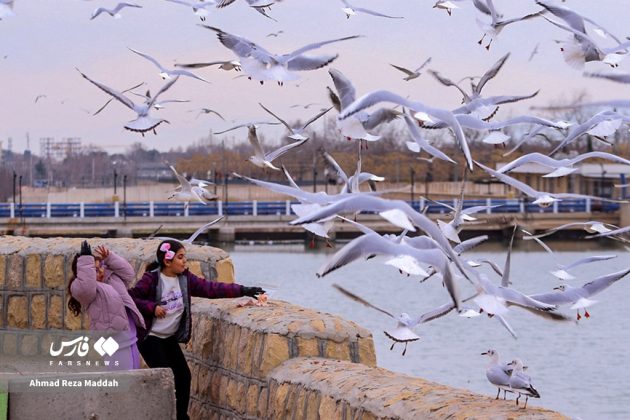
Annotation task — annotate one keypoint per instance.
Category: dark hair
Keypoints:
(159, 255)
(73, 305)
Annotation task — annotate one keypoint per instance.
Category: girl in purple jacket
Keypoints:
(163, 297)
(99, 287)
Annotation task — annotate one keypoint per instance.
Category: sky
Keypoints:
(45, 41)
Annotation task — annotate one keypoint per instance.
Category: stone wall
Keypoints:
(277, 361)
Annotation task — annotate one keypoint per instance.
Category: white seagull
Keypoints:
(262, 159)
(195, 234)
(6, 9)
(520, 382)
(296, 132)
(115, 12)
(262, 65)
(561, 167)
(403, 332)
(350, 10)
(164, 72)
(373, 98)
(226, 65)
(200, 8)
(542, 198)
(185, 191)
(144, 122)
(412, 74)
(498, 373)
(496, 25)
(579, 297)
(420, 143)
(356, 127)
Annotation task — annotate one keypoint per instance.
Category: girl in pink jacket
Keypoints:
(99, 287)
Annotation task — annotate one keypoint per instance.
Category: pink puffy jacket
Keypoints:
(106, 302)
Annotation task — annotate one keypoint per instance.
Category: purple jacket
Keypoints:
(106, 302)
(147, 294)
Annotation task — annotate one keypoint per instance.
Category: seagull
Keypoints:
(262, 65)
(185, 191)
(111, 99)
(563, 270)
(262, 159)
(590, 227)
(412, 74)
(350, 10)
(195, 234)
(496, 25)
(113, 12)
(144, 122)
(542, 199)
(38, 97)
(351, 183)
(615, 77)
(208, 111)
(561, 167)
(226, 65)
(520, 382)
(583, 49)
(378, 96)
(6, 10)
(356, 127)
(275, 34)
(165, 73)
(420, 143)
(258, 5)
(296, 132)
(446, 5)
(498, 373)
(159, 105)
(200, 8)
(403, 332)
(579, 297)
(247, 124)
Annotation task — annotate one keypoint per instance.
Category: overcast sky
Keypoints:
(41, 46)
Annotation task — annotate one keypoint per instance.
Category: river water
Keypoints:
(579, 369)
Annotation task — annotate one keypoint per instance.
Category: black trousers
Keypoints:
(166, 353)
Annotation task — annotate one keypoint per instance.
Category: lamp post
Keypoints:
(20, 181)
(115, 180)
(14, 180)
(125, 197)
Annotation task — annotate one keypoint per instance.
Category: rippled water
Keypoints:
(579, 369)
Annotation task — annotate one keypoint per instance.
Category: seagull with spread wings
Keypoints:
(143, 122)
(296, 132)
(412, 74)
(351, 10)
(262, 159)
(115, 12)
(262, 65)
(164, 72)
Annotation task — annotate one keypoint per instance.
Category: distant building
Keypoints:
(154, 171)
(598, 179)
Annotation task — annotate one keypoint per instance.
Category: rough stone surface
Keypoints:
(33, 275)
(54, 275)
(384, 394)
(17, 312)
(38, 311)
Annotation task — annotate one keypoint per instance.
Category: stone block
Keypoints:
(312, 406)
(215, 388)
(54, 274)
(223, 383)
(225, 270)
(230, 347)
(17, 311)
(2, 317)
(29, 345)
(252, 400)
(367, 353)
(33, 272)
(307, 347)
(9, 344)
(339, 351)
(195, 268)
(71, 321)
(275, 351)
(15, 272)
(38, 311)
(329, 408)
(263, 398)
(246, 343)
(3, 270)
(278, 401)
(55, 312)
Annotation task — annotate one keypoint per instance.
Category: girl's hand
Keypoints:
(160, 312)
(101, 252)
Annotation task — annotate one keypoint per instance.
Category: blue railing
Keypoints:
(262, 208)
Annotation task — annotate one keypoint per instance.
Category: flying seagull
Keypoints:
(115, 12)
